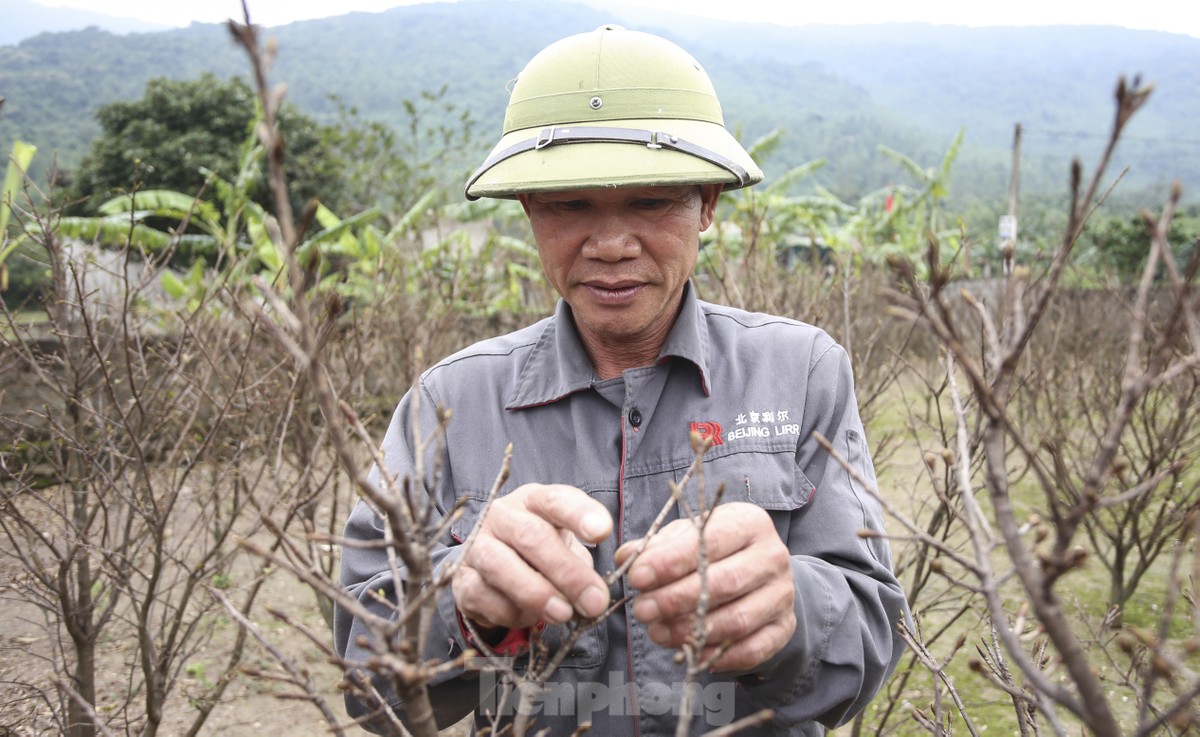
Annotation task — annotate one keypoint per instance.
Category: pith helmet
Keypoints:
(612, 108)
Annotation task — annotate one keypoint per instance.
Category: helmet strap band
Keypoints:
(556, 136)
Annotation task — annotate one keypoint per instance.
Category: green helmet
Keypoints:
(612, 108)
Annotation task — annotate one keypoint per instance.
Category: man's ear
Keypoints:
(524, 200)
(709, 194)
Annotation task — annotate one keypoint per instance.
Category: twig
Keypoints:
(754, 720)
(299, 676)
(927, 659)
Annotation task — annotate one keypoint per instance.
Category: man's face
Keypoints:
(621, 257)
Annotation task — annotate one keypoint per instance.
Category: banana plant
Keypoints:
(123, 219)
(932, 183)
(231, 232)
(18, 163)
(898, 220)
(498, 274)
(767, 217)
(153, 221)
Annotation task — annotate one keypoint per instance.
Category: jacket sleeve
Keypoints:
(848, 601)
(366, 572)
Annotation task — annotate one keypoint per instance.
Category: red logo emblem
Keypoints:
(708, 431)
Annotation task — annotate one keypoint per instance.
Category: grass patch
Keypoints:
(916, 425)
(25, 318)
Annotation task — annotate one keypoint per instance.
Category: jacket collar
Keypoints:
(559, 366)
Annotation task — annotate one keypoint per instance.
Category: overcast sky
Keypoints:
(1176, 16)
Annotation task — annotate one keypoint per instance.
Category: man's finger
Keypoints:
(675, 554)
(729, 578)
(486, 606)
(507, 572)
(735, 620)
(571, 578)
(570, 509)
(665, 533)
(540, 525)
(751, 652)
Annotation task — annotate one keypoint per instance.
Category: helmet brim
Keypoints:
(592, 165)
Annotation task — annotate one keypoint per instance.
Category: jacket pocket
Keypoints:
(766, 476)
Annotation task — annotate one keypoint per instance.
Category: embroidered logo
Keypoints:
(708, 431)
(763, 423)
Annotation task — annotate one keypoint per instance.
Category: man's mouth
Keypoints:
(614, 292)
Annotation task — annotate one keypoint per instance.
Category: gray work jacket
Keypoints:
(760, 386)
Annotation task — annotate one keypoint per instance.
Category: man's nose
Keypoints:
(612, 240)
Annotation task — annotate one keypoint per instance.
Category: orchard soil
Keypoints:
(250, 706)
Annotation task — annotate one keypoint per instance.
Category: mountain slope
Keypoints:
(24, 19)
(839, 92)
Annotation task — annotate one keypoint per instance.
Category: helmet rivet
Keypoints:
(596, 103)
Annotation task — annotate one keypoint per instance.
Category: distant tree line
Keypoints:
(838, 93)
(180, 130)
(180, 134)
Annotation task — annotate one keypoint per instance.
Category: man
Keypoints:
(615, 146)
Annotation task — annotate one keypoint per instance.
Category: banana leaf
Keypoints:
(161, 203)
(18, 162)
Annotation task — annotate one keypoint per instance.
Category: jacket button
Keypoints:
(635, 417)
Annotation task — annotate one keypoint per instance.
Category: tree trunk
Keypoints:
(84, 683)
(1116, 588)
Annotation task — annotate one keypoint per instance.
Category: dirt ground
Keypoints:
(251, 706)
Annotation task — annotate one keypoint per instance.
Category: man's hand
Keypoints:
(750, 586)
(527, 563)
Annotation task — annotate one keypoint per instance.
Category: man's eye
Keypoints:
(649, 203)
(571, 205)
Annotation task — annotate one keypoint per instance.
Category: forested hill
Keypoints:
(839, 92)
(25, 18)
